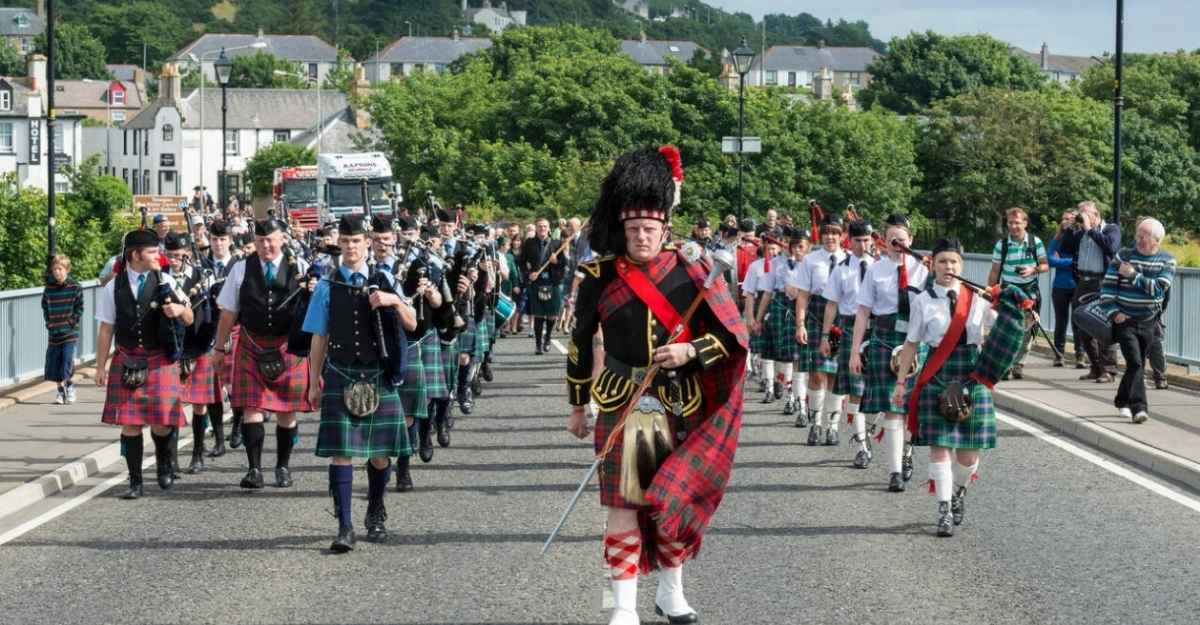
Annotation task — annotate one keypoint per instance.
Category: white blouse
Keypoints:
(929, 317)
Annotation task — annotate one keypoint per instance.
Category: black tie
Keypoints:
(953, 297)
(862, 270)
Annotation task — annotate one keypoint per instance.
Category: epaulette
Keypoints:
(594, 266)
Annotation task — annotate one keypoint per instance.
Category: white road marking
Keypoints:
(1102, 462)
(558, 346)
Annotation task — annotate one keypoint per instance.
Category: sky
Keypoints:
(1075, 27)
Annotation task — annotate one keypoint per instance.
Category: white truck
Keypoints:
(340, 179)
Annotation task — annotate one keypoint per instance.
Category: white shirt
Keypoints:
(814, 273)
(228, 298)
(781, 273)
(842, 287)
(106, 301)
(929, 318)
(754, 275)
(880, 291)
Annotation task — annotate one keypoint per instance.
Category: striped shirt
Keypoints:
(62, 308)
(1020, 254)
(1140, 297)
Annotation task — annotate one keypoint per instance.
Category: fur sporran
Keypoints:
(954, 403)
(361, 399)
(134, 372)
(545, 293)
(647, 443)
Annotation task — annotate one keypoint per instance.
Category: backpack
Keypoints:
(1029, 245)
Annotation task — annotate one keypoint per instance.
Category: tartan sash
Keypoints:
(654, 300)
(958, 325)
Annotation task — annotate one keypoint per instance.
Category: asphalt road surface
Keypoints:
(801, 538)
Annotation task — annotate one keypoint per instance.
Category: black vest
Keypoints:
(352, 338)
(258, 301)
(148, 333)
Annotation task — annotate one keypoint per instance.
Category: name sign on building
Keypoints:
(35, 141)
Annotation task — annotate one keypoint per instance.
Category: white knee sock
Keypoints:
(963, 473)
(816, 402)
(833, 406)
(800, 385)
(943, 477)
(893, 442)
(860, 424)
(785, 369)
(768, 369)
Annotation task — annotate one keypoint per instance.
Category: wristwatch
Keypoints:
(691, 351)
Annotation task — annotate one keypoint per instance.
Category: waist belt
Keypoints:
(632, 373)
(886, 323)
(1088, 275)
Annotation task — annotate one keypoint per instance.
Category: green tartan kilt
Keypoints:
(449, 356)
(431, 362)
(810, 358)
(758, 342)
(489, 328)
(340, 434)
(877, 371)
(480, 345)
(412, 392)
(545, 308)
(978, 432)
(846, 383)
(779, 330)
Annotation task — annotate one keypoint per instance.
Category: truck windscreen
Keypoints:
(348, 194)
(300, 193)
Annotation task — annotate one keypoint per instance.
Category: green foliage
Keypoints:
(78, 54)
(124, 28)
(257, 71)
(11, 62)
(260, 170)
(922, 68)
(1161, 87)
(1160, 173)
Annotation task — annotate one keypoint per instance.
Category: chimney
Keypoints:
(360, 91)
(41, 8)
(139, 79)
(465, 7)
(260, 32)
(454, 35)
(36, 67)
(170, 84)
(642, 37)
(1045, 57)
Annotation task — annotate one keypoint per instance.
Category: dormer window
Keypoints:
(118, 96)
(168, 133)
(22, 21)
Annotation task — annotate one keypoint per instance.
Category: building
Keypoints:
(107, 101)
(636, 7)
(175, 143)
(1059, 68)
(314, 57)
(497, 19)
(126, 72)
(409, 55)
(800, 66)
(20, 26)
(24, 149)
(654, 55)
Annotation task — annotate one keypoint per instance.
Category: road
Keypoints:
(801, 538)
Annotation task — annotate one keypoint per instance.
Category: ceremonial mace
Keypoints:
(722, 262)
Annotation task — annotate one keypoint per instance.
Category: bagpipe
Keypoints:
(172, 331)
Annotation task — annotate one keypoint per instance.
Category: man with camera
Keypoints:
(1093, 244)
(1017, 260)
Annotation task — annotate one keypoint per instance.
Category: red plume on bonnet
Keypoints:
(671, 153)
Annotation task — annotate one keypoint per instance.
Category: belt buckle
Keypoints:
(638, 374)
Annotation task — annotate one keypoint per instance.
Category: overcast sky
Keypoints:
(1079, 27)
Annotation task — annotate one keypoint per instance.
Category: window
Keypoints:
(118, 116)
(439, 68)
(5, 100)
(312, 71)
(146, 142)
(125, 175)
(397, 69)
(137, 139)
(282, 136)
(146, 181)
(22, 21)
(231, 142)
(418, 68)
(137, 183)
(791, 79)
(60, 142)
(6, 137)
(26, 45)
(118, 96)
(772, 77)
(61, 184)
(168, 133)
(854, 78)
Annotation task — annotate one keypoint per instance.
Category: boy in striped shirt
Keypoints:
(62, 308)
(1018, 259)
(1133, 290)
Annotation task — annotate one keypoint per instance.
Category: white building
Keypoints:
(497, 19)
(176, 142)
(653, 55)
(311, 54)
(799, 66)
(24, 150)
(409, 55)
(636, 7)
(1059, 68)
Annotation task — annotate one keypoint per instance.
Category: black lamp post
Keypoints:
(223, 67)
(1118, 105)
(743, 58)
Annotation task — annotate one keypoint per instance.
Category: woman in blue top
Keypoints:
(1063, 292)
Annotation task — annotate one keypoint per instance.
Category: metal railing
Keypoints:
(1182, 340)
(23, 333)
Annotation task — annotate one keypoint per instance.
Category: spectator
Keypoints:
(1062, 291)
(1017, 260)
(1158, 357)
(1135, 288)
(1093, 243)
(62, 308)
(161, 226)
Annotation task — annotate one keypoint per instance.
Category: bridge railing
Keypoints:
(23, 333)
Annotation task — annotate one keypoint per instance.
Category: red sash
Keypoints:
(958, 324)
(645, 290)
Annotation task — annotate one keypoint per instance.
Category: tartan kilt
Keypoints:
(978, 432)
(157, 402)
(490, 323)
(758, 342)
(483, 340)
(431, 362)
(877, 371)
(248, 390)
(384, 433)
(202, 387)
(225, 375)
(846, 383)
(413, 400)
(548, 308)
(779, 330)
(810, 358)
(449, 364)
(468, 338)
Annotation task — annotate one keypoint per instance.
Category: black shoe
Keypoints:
(485, 372)
(425, 448)
(768, 397)
(802, 418)
(344, 541)
(404, 481)
(1106, 378)
(814, 435)
(1091, 375)
(197, 463)
(862, 459)
(218, 450)
(135, 491)
(537, 349)
(789, 407)
(945, 522)
(957, 506)
(831, 437)
(253, 479)
(464, 400)
(376, 531)
(906, 465)
(685, 619)
(895, 484)
(235, 434)
(1018, 372)
(443, 434)
(477, 387)
(778, 389)
(283, 477)
(1161, 385)
(1058, 362)
(165, 480)
(1080, 364)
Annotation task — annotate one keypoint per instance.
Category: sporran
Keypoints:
(647, 443)
(361, 399)
(134, 372)
(954, 403)
(269, 363)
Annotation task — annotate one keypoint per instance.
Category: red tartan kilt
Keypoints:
(226, 373)
(201, 387)
(609, 473)
(288, 393)
(157, 402)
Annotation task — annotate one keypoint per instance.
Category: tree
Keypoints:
(78, 53)
(922, 68)
(260, 170)
(131, 32)
(257, 71)
(1160, 174)
(1161, 87)
(11, 62)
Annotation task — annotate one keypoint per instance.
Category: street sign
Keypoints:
(750, 145)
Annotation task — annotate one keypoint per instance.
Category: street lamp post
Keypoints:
(223, 67)
(743, 58)
(1118, 105)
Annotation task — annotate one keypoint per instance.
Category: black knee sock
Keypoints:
(443, 409)
(285, 440)
(216, 413)
(538, 324)
(341, 484)
(377, 480)
(464, 372)
(423, 426)
(131, 448)
(162, 451)
(198, 423)
(173, 446)
(412, 435)
(253, 435)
